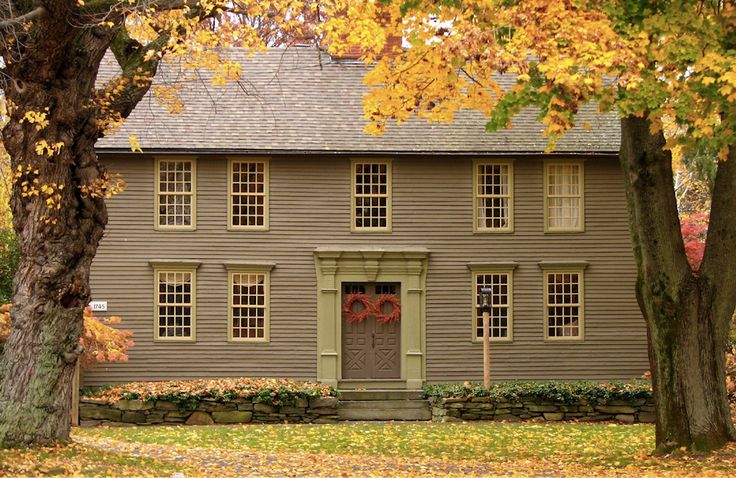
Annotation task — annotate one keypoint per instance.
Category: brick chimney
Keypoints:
(393, 44)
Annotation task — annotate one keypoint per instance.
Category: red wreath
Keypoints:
(395, 313)
(353, 316)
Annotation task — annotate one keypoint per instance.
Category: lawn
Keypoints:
(410, 449)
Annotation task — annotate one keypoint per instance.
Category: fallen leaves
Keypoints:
(409, 449)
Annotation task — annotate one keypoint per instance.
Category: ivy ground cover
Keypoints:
(360, 449)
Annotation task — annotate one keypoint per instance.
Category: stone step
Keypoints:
(383, 404)
(398, 414)
(349, 395)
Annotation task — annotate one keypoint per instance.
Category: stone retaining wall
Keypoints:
(137, 412)
(483, 408)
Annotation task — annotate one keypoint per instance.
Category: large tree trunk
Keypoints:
(687, 312)
(57, 243)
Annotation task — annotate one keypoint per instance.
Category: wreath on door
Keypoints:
(361, 314)
(394, 315)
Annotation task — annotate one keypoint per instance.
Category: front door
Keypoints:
(370, 349)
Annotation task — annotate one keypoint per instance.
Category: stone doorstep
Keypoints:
(384, 404)
(398, 414)
(363, 395)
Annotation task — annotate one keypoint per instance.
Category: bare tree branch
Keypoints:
(34, 14)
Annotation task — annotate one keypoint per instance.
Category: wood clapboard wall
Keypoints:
(432, 208)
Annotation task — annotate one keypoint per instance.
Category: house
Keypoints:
(255, 214)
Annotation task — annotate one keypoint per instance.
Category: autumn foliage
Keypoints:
(102, 343)
(277, 392)
(694, 229)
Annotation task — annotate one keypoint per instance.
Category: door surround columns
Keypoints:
(407, 265)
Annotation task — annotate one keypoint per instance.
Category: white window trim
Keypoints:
(389, 196)
(493, 230)
(562, 268)
(250, 268)
(174, 266)
(485, 269)
(581, 218)
(266, 194)
(156, 194)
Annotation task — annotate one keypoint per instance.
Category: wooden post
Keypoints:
(75, 395)
(485, 307)
(486, 349)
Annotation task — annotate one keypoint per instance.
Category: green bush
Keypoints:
(548, 391)
(9, 257)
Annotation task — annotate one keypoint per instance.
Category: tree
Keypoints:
(654, 62)
(51, 52)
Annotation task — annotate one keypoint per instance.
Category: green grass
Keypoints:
(606, 445)
(498, 448)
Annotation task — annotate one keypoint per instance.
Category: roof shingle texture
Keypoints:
(298, 99)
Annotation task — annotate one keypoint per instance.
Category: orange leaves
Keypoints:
(272, 390)
(101, 342)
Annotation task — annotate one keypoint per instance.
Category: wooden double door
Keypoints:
(370, 349)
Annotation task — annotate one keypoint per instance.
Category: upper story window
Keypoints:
(564, 304)
(175, 194)
(493, 182)
(500, 283)
(249, 308)
(175, 304)
(371, 196)
(564, 202)
(249, 194)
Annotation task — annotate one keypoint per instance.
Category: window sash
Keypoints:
(371, 196)
(493, 183)
(564, 197)
(175, 194)
(175, 315)
(248, 199)
(563, 305)
(501, 313)
(248, 306)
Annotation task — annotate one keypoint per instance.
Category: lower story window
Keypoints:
(249, 306)
(564, 304)
(175, 304)
(500, 285)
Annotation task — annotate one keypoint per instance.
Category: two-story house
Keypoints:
(263, 233)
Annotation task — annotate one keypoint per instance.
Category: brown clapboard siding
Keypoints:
(432, 208)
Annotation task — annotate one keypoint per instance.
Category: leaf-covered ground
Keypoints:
(360, 449)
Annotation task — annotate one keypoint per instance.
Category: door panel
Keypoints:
(371, 350)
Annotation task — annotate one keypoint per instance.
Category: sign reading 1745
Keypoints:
(98, 305)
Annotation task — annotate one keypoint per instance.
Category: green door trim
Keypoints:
(405, 265)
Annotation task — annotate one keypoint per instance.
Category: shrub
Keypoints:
(188, 394)
(101, 343)
(9, 257)
(549, 391)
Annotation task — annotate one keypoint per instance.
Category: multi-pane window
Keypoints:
(175, 194)
(371, 196)
(175, 304)
(249, 194)
(500, 286)
(493, 196)
(564, 197)
(249, 306)
(564, 304)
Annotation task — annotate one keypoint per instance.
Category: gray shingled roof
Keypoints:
(299, 100)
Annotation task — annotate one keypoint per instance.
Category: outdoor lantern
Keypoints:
(485, 308)
(485, 299)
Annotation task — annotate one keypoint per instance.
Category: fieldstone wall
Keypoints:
(138, 412)
(483, 408)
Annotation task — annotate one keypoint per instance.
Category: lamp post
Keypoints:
(485, 308)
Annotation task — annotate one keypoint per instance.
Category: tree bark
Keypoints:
(58, 233)
(687, 313)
